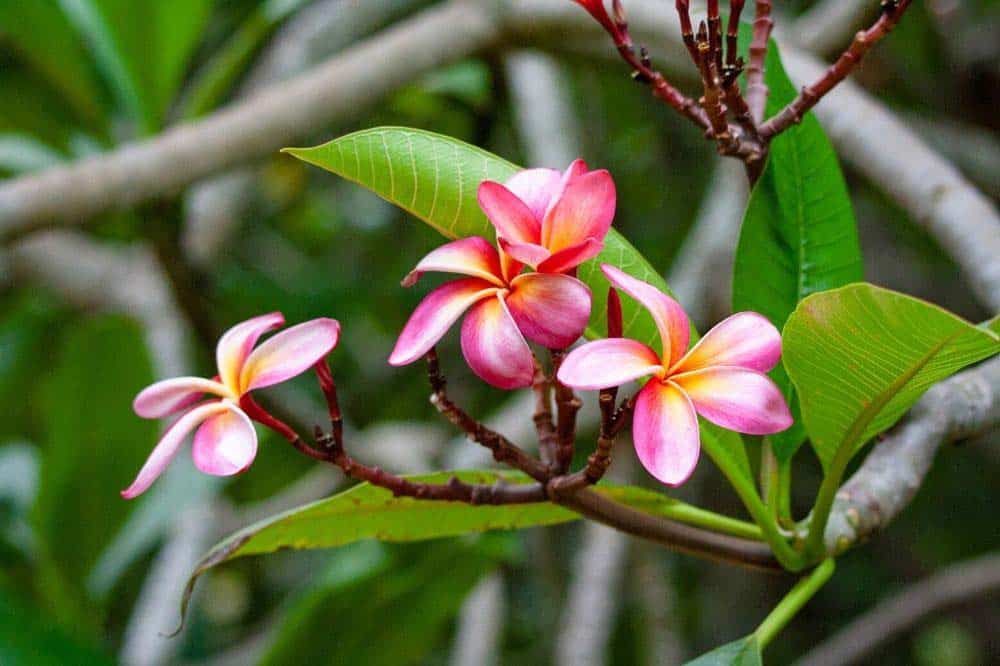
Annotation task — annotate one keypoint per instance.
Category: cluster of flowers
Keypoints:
(548, 222)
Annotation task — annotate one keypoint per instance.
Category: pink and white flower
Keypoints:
(226, 442)
(548, 220)
(505, 310)
(721, 378)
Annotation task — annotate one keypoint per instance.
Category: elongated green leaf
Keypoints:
(43, 37)
(744, 652)
(368, 512)
(799, 235)
(217, 77)
(94, 443)
(435, 178)
(142, 48)
(860, 356)
(419, 589)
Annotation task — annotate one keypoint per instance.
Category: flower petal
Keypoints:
(665, 430)
(668, 314)
(435, 315)
(289, 353)
(225, 444)
(742, 400)
(172, 395)
(236, 344)
(494, 347)
(168, 446)
(473, 256)
(609, 362)
(550, 309)
(571, 257)
(509, 266)
(536, 188)
(585, 210)
(511, 216)
(526, 253)
(745, 340)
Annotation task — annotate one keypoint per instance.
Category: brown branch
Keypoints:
(643, 72)
(682, 538)
(756, 88)
(892, 12)
(687, 30)
(329, 388)
(545, 427)
(567, 406)
(732, 32)
(503, 449)
(712, 99)
(455, 490)
(330, 449)
(715, 34)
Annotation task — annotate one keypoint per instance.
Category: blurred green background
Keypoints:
(87, 319)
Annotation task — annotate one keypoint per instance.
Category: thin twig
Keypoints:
(503, 449)
(643, 72)
(545, 427)
(756, 88)
(892, 12)
(567, 406)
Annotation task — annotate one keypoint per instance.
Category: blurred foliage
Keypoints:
(82, 76)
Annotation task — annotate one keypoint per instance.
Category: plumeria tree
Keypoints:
(547, 298)
(539, 267)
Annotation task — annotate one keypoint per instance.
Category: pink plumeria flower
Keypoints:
(548, 220)
(226, 442)
(721, 377)
(505, 307)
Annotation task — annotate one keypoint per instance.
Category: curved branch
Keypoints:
(283, 112)
(682, 538)
(957, 584)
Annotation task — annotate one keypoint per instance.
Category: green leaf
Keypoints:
(744, 652)
(59, 56)
(28, 329)
(419, 589)
(218, 76)
(369, 512)
(142, 48)
(94, 443)
(860, 356)
(799, 234)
